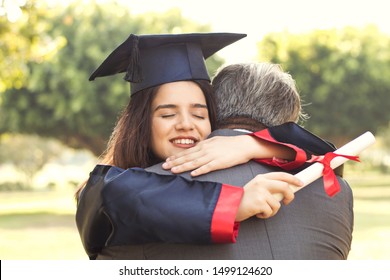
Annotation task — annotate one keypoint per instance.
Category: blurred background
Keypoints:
(54, 123)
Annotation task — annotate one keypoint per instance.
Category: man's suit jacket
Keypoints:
(312, 226)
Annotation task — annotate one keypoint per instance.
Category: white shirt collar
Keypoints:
(243, 130)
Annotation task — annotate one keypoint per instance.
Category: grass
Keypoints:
(40, 225)
(371, 237)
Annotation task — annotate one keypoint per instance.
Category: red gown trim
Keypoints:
(224, 229)
(300, 154)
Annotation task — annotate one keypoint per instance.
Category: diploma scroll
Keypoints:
(314, 171)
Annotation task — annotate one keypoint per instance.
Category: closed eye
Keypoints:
(199, 117)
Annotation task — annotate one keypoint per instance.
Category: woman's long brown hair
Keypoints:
(130, 143)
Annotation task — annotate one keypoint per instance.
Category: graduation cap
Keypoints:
(151, 60)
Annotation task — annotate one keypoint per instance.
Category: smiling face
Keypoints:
(180, 118)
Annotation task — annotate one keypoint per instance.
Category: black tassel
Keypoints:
(134, 71)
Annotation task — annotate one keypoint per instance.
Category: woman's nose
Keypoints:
(185, 123)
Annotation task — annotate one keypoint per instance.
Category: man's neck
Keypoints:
(241, 123)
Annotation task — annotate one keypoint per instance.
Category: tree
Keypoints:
(28, 154)
(21, 40)
(341, 74)
(57, 100)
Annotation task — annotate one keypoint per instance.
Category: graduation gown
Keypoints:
(132, 206)
(119, 207)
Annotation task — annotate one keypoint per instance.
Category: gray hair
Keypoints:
(260, 91)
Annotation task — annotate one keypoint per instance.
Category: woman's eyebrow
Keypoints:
(172, 106)
(198, 105)
(165, 106)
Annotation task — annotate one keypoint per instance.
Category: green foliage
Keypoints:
(57, 100)
(341, 74)
(22, 40)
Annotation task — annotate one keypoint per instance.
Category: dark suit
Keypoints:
(313, 226)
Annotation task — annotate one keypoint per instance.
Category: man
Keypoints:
(313, 226)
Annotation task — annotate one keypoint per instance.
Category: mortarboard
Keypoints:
(151, 60)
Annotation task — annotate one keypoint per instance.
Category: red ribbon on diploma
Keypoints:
(331, 185)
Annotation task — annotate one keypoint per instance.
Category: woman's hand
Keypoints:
(216, 153)
(222, 152)
(259, 200)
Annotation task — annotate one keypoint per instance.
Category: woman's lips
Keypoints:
(184, 142)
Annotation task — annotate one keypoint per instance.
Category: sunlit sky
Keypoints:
(258, 17)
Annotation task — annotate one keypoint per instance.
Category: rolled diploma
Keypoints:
(314, 171)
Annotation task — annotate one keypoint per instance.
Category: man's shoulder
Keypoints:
(157, 168)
